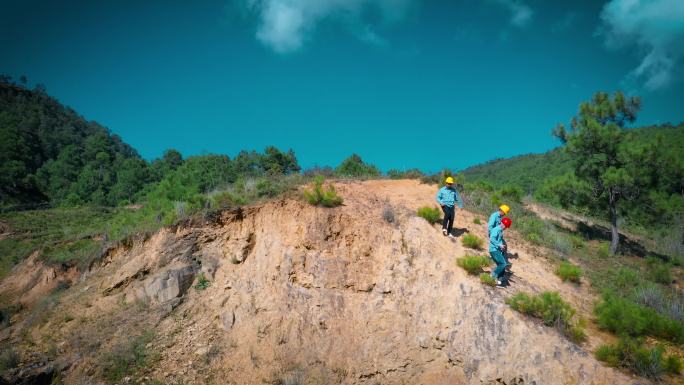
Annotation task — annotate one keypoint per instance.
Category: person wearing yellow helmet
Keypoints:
(494, 222)
(448, 197)
(495, 218)
(497, 250)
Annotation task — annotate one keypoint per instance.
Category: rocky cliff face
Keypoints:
(298, 294)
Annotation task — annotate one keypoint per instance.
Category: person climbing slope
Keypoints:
(495, 218)
(494, 221)
(447, 197)
(497, 249)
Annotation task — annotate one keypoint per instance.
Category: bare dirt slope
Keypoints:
(309, 295)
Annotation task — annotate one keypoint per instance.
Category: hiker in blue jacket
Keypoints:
(495, 221)
(497, 249)
(447, 197)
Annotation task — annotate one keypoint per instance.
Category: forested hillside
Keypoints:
(531, 171)
(49, 153)
(653, 203)
(524, 171)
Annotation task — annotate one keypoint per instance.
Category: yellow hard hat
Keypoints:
(450, 180)
(505, 209)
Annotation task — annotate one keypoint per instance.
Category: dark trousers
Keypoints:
(448, 222)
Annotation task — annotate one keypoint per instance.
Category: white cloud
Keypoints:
(656, 28)
(521, 13)
(286, 25)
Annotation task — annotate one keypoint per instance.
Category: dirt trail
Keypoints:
(308, 295)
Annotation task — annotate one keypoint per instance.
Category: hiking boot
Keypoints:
(444, 232)
(451, 236)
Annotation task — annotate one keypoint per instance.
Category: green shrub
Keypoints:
(227, 199)
(477, 221)
(512, 192)
(531, 228)
(608, 354)
(320, 196)
(472, 241)
(672, 364)
(430, 214)
(552, 310)
(355, 167)
(487, 279)
(127, 358)
(9, 359)
(624, 317)
(202, 282)
(603, 250)
(626, 279)
(473, 264)
(631, 354)
(658, 271)
(569, 272)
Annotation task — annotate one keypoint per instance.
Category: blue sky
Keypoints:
(403, 83)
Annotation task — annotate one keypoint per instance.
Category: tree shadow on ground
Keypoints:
(593, 231)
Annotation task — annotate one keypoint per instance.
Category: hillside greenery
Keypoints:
(48, 153)
(651, 208)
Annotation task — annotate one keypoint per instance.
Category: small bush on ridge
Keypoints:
(430, 214)
(319, 196)
(659, 271)
(477, 221)
(202, 282)
(569, 272)
(487, 279)
(472, 241)
(473, 264)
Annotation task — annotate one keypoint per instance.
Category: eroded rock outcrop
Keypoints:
(336, 296)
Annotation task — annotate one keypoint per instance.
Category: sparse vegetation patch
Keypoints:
(552, 310)
(430, 214)
(472, 241)
(569, 272)
(473, 264)
(632, 354)
(320, 196)
(127, 358)
(487, 279)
